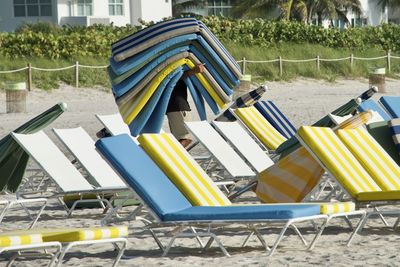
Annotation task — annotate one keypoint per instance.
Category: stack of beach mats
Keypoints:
(145, 66)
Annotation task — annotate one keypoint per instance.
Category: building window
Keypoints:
(32, 8)
(116, 7)
(219, 7)
(85, 8)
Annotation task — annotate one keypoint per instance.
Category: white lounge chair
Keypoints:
(82, 147)
(238, 137)
(56, 166)
(220, 150)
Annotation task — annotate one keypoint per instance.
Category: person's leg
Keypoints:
(176, 121)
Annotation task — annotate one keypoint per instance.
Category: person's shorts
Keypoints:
(176, 121)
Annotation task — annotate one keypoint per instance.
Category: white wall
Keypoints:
(9, 23)
(150, 10)
(373, 12)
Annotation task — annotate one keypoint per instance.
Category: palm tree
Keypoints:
(303, 10)
(178, 6)
(389, 3)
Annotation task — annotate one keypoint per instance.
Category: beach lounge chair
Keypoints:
(370, 104)
(220, 150)
(252, 119)
(391, 105)
(64, 240)
(60, 172)
(169, 207)
(394, 126)
(382, 132)
(366, 173)
(194, 183)
(272, 113)
(82, 147)
(237, 136)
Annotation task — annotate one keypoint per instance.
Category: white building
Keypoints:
(82, 12)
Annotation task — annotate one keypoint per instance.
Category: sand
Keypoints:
(303, 101)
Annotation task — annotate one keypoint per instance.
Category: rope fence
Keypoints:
(29, 68)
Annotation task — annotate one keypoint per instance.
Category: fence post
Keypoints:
(29, 76)
(388, 60)
(318, 64)
(280, 66)
(244, 65)
(351, 61)
(77, 74)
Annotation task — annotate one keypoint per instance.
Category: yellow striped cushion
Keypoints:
(82, 234)
(290, 179)
(338, 159)
(380, 166)
(356, 121)
(182, 170)
(261, 128)
(19, 239)
(337, 207)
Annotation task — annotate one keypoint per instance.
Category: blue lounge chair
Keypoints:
(371, 104)
(169, 207)
(392, 105)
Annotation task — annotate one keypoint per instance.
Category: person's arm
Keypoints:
(197, 69)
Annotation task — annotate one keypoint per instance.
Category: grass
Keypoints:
(260, 72)
(50, 80)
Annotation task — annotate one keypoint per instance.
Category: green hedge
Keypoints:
(69, 42)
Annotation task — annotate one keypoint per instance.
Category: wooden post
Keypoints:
(280, 66)
(318, 67)
(351, 61)
(244, 66)
(77, 74)
(388, 61)
(29, 76)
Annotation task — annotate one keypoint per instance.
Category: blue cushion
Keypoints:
(243, 212)
(130, 82)
(276, 118)
(392, 105)
(143, 35)
(371, 104)
(142, 175)
(156, 120)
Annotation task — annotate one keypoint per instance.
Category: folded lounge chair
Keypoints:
(198, 188)
(366, 173)
(20, 241)
(170, 208)
(60, 171)
(392, 105)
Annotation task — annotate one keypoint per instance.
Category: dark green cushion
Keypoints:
(381, 133)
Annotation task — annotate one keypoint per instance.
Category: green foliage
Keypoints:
(70, 42)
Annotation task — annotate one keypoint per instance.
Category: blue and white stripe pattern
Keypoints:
(276, 118)
(392, 105)
(394, 126)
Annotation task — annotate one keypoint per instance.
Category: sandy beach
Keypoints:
(302, 101)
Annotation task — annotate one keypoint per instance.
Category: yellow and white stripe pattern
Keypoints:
(20, 239)
(72, 235)
(337, 207)
(338, 159)
(182, 170)
(290, 179)
(355, 121)
(260, 127)
(375, 160)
